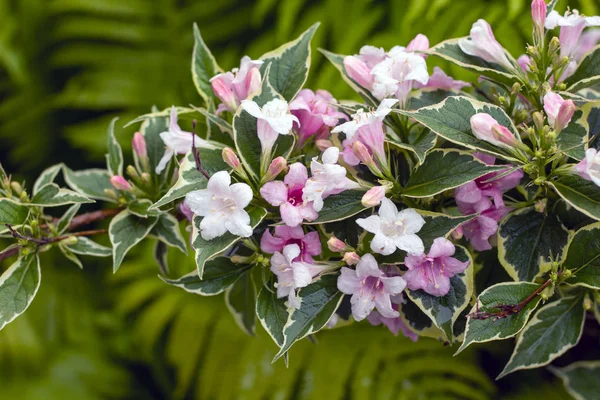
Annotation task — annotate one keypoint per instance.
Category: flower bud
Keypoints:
(457, 233)
(16, 187)
(70, 241)
(540, 205)
(486, 128)
(224, 92)
(139, 145)
(111, 194)
(362, 153)
(565, 113)
(120, 183)
(275, 168)
(553, 46)
(231, 158)
(538, 14)
(146, 179)
(538, 120)
(373, 196)
(358, 71)
(351, 258)
(132, 172)
(324, 144)
(336, 245)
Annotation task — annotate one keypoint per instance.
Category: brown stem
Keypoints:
(199, 166)
(88, 218)
(81, 233)
(9, 252)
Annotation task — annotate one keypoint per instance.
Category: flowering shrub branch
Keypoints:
(408, 189)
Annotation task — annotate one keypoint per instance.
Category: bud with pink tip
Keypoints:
(323, 144)
(139, 145)
(358, 71)
(486, 128)
(231, 158)
(538, 13)
(221, 86)
(362, 153)
(336, 245)
(482, 43)
(351, 258)
(275, 168)
(419, 43)
(558, 110)
(120, 183)
(373, 196)
(565, 113)
(457, 233)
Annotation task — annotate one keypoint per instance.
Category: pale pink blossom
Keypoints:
(395, 325)
(316, 113)
(589, 40)
(589, 167)
(186, 211)
(351, 258)
(138, 143)
(523, 62)
(538, 14)
(558, 110)
(308, 243)
(120, 183)
(571, 25)
(374, 196)
(273, 119)
(336, 245)
(482, 43)
(240, 84)
(440, 81)
(358, 67)
(287, 195)
(484, 226)
(231, 158)
(486, 128)
(394, 76)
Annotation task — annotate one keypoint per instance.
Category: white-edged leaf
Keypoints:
(114, 158)
(12, 213)
(167, 231)
(47, 176)
(18, 286)
(241, 302)
(70, 255)
(65, 220)
(582, 194)
(340, 206)
(587, 73)
(581, 379)
(90, 182)
(87, 247)
(204, 66)
(272, 314)
(51, 195)
(583, 257)
(125, 231)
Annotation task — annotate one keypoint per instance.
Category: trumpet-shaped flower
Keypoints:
(370, 288)
(484, 226)
(395, 75)
(486, 128)
(287, 195)
(178, 141)
(315, 113)
(571, 25)
(327, 178)
(222, 206)
(482, 43)
(432, 272)
(274, 119)
(240, 84)
(309, 243)
(292, 275)
(439, 80)
(394, 230)
(589, 167)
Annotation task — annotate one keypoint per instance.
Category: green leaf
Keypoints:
(47, 176)
(450, 50)
(140, 208)
(451, 118)
(219, 129)
(444, 310)
(587, 73)
(190, 178)
(419, 145)
(87, 247)
(65, 220)
(69, 255)
(114, 158)
(581, 379)
(424, 98)
(418, 322)
(272, 314)
(18, 286)
(208, 249)
(241, 302)
(554, 329)
(506, 293)
(151, 129)
(125, 231)
(204, 66)
(53, 196)
(340, 206)
(90, 182)
(161, 252)
(581, 194)
(573, 139)
(528, 241)
(583, 257)
(12, 213)
(319, 301)
(167, 231)
(444, 170)
(289, 64)
(219, 274)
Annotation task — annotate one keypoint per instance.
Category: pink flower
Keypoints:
(440, 81)
(374, 196)
(396, 75)
(486, 128)
(571, 25)
(395, 325)
(589, 168)
(538, 14)
(432, 272)
(558, 110)
(523, 62)
(480, 229)
(315, 113)
(309, 243)
(370, 288)
(336, 245)
(186, 211)
(588, 41)
(273, 119)
(139, 145)
(482, 43)
(120, 183)
(240, 84)
(358, 67)
(287, 195)
(419, 43)
(291, 274)
(231, 158)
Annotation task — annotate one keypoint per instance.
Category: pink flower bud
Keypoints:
(482, 43)
(358, 71)
(538, 13)
(565, 113)
(186, 211)
(351, 258)
(275, 168)
(373, 196)
(231, 158)
(362, 153)
(419, 43)
(224, 92)
(486, 128)
(120, 183)
(336, 245)
(253, 82)
(457, 233)
(139, 145)
(324, 144)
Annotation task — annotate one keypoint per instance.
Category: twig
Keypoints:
(9, 252)
(199, 166)
(88, 218)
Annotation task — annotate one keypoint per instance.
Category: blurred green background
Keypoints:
(69, 66)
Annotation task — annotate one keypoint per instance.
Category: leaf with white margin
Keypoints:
(582, 194)
(340, 206)
(114, 158)
(208, 249)
(554, 329)
(69, 255)
(418, 322)
(87, 247)
(528, 241)
(581, 379)
(219, 274)
(47, 176)
(272, 314)
(289, 64)
(18, 286)
(167, 231)
(53, 196)
(67, 217)
(506, 293)
(125, 231)
(451, 118)
(12, 213)
(204, 66)
(583, 257)
(444, 310)
(587, 73)
(240, 299)
(572, 140)
(90, 182)
(420, 145)
(318, 303)
(444, 170)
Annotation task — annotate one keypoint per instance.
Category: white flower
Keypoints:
(571, 18)
(274, 119)
(394, 229)
(482, 43)
(178, 142)
(222, 206)
(589, 167)
(327, 178)
(394, 76)
(362, 118)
